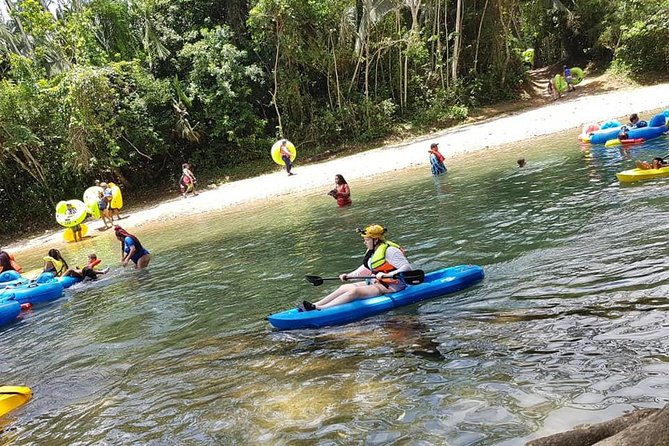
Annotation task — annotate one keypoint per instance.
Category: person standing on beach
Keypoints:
(341, 192)
(285, 156)
(568, 78)
(436, 160)
(187, 182)
(105, 213)
(108, 196)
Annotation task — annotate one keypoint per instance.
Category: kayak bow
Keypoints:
(13, 397)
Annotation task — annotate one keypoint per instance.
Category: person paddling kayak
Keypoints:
(383, 259)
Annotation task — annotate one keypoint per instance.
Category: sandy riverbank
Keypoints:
(567, 113)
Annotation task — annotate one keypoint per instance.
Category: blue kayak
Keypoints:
(9, 276)
(437, 283)
(18, 280)
(9, 311)
(65, 281)
(32, 293)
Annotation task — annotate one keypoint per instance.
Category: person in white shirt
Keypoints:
(383, 259)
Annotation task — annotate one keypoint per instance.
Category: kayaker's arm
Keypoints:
(359, 271)
(396, 258)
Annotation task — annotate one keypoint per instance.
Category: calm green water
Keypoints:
(569, 326)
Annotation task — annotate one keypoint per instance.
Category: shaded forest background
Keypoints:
(128, 90)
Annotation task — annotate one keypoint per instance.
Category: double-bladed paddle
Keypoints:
(409, 277)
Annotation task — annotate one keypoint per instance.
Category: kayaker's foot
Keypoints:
(306, 306)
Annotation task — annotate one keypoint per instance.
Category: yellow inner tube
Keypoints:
(71, 213)
(276, 152)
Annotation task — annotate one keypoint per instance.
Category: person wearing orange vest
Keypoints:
(88, 270)
(383, 259)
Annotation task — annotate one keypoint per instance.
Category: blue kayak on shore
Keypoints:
(437, 283)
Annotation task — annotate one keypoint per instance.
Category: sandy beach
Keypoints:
(567, 113)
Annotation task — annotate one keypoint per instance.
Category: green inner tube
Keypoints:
(559, 83)
(577, 75)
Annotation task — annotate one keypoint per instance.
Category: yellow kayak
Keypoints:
(13, 397)
(631, 175)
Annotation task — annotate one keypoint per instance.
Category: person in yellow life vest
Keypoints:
(54, 263)
(383, 259)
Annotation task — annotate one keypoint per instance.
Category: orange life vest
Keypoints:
(379, 263)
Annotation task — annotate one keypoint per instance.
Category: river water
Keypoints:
(569, 326)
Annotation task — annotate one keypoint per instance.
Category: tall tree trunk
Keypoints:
(414, 7)
(400, 77)
(275, 92)
(336, 72)
(448, 46)
(367, 83)
(505, 42)
(478, 36)
(456, 43)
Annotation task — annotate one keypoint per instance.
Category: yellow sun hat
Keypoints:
(372, 231)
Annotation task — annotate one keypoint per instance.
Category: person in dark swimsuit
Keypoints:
(132, 249)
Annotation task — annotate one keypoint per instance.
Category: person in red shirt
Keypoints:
(341, 192)
(436, 160)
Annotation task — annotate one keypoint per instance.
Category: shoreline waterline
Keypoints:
(506, 129)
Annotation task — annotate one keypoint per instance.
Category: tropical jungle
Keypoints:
(128, 90)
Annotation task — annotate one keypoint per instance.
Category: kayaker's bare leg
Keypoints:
(338, 292)
(358, 292)
(643, 165)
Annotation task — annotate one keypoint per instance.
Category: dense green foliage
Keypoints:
(127, 91)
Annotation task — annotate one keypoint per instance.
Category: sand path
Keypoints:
(567, 113)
